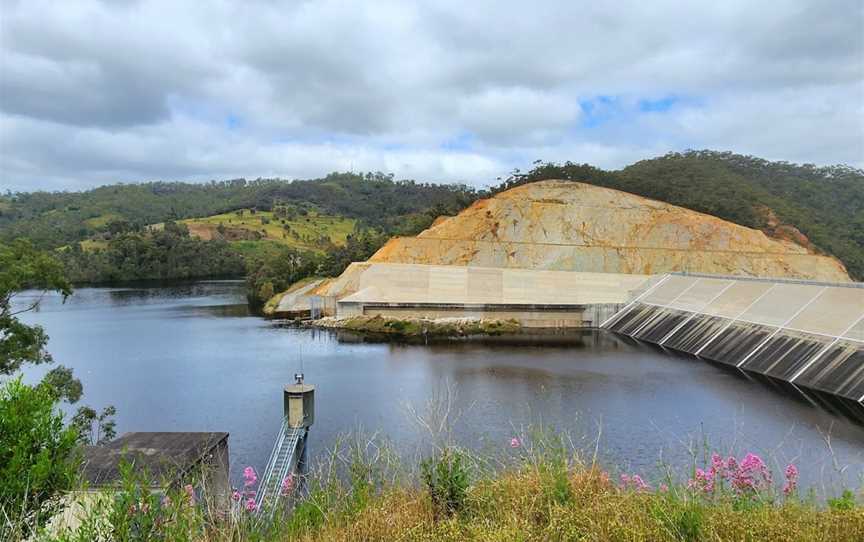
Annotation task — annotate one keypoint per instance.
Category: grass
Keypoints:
(417, 327)
(90, 245)
(538, 490)
(310, 232)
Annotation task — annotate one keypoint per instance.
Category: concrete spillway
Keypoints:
(809, 334)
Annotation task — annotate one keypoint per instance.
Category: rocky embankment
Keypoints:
(570, 226)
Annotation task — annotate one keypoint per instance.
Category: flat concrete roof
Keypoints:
(161, 456)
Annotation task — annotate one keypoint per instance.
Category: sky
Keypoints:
(94, 93)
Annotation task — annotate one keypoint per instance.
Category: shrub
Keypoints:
(846, 501)
(446, 478)
(37, 454)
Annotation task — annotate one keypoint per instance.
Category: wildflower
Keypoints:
(625, 481)
(751, 475)
(702, 481)
(190, 492)
(719, 467)
(791, 480)
(664, 488)
(235, 495)
(166, 501)
(635, 482)
(638, 483)
(250, 505)
(249, 476)
(287, 484)
(515, 442)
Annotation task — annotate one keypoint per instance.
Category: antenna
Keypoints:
(298, 377)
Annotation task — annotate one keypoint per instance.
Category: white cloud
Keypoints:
(95, 92)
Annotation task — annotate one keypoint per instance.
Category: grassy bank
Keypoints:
(422, 327)
(537, 488)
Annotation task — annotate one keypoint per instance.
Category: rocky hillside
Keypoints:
(565, 225)
(820, 207)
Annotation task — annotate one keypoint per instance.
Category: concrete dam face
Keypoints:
(808, 334)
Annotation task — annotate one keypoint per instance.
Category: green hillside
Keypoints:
(826, 204)
(304, 230)
(56, 219)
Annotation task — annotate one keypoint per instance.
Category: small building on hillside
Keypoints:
(163, 459)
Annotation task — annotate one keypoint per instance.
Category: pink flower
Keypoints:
(638, 483)
(702, 481)
(249, 476)
(625, 481)
(791, 480)
(287, 484)
(515, 442)
(190, 492)
(250, 505)
(166, 501)
(235, 495)
(719, 467)
(751, 475)
(664, 488)
(635, 482)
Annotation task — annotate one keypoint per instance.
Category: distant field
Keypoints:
(309, 232)
(89, 245)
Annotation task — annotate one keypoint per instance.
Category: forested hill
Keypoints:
(55, 219)
(825, 203)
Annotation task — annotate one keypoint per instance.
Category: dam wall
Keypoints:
(534, 298)
(806, 333)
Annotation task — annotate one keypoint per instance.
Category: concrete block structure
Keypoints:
(535, 298)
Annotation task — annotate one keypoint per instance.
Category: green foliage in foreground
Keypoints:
(542, 492)
(825, 203)
(23, 267)
(37, 455)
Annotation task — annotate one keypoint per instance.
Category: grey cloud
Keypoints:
(143, 89)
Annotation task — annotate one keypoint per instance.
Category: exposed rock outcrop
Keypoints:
(569, 226)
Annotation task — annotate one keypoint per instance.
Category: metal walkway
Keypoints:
(282, 461)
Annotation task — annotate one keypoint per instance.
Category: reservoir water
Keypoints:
(190, 358)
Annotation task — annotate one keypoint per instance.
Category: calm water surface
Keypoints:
(190, 358)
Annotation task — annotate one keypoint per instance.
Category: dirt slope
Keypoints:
(564, 225)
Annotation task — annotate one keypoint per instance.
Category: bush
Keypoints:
(37, 455)
(446, 479)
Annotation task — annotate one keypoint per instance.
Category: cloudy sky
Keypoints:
(100, 92)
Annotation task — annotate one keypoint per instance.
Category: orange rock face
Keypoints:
(568, 226)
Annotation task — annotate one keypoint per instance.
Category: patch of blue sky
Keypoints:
(599, 110)
(657, 106)
(232, 122)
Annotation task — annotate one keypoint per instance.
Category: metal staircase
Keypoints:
(281, 462)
